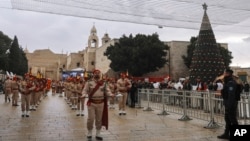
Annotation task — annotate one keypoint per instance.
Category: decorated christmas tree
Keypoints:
(207, 62)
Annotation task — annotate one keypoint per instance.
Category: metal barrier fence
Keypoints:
(206, 106)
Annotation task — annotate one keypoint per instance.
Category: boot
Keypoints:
(120, 112)
(82, 114)
(27, 113)
(98, 135)
(23, 113)
(123, 112)
(78, 113)
(89, 135)
(225, 135)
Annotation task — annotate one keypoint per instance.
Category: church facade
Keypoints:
(51, 65)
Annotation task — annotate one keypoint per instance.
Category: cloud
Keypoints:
(247, 39)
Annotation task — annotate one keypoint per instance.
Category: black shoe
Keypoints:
(9, 100)
(23, 115)
(27, 115)
(89, 137)
(82, 115)
(77, 114)
(224, 136)
(99, 138)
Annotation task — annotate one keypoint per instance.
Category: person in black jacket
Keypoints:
(133, 92)
(230, 100)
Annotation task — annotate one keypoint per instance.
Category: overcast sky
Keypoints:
(70, 34)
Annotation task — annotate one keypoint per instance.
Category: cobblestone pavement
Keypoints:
(55, 121)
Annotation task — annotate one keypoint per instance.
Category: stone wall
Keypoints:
(102, 62)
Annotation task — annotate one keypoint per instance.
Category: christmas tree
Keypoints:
(207, 62)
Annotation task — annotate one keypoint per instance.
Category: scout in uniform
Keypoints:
(113, 89)
(81, 101)
(123, 85)
(97, 92)
(25, 88)
(7, 89)
(14, 89)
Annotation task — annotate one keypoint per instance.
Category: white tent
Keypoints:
(78, 69)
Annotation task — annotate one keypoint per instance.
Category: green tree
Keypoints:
(190, 49)
(23, 64)
(14, 56)
(207, 61)
(5, 43)
(138, 55)
(226, 54)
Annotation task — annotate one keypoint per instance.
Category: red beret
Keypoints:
(96, 71)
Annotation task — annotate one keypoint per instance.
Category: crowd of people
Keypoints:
(99, 92)
(31, 89)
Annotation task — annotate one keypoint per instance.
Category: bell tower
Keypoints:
(90, 52)
(93, 39)
(105, 38)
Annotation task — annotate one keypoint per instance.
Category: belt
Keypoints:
(123, 91)
(15, 89)
(96, 101)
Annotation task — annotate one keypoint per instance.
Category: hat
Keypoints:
(229, 71)
(96, 71)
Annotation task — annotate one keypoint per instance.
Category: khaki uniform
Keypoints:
(73, 96)
(26, 87)
(34, 96)
(53, 85)
(15, 92)
(122, 87)
(66, 90)
(7, 89)
(95, 108)
(113, 88)
(81, 101)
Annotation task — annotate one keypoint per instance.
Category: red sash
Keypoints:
(105, 121)
(93, 91)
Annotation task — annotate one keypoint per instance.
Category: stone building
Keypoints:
(46, 62)
(242, 73)
(51, 64)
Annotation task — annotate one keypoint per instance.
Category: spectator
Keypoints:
(246, 87)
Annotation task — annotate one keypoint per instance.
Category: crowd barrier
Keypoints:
(205, 105)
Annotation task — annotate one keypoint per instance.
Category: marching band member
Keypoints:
(15, 92)
(81, 101)
(97, 92)
(26, 87)
(123, 85)
(113, 89)
(7, 89)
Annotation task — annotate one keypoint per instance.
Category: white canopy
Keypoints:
(78, 69)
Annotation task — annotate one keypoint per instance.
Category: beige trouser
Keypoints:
(25, 102)
(122, 101)
(112, 100)
(7, 93)
(15, 96)
(33, 98)
(80, 104)
(95, 114)
(38, 97)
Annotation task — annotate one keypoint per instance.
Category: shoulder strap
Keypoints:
(94, 90)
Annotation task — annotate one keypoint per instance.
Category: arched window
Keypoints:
(93, 43)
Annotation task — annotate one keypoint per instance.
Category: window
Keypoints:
(77, 64)
(93, 43)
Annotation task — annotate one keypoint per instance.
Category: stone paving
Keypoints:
(55, 121)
